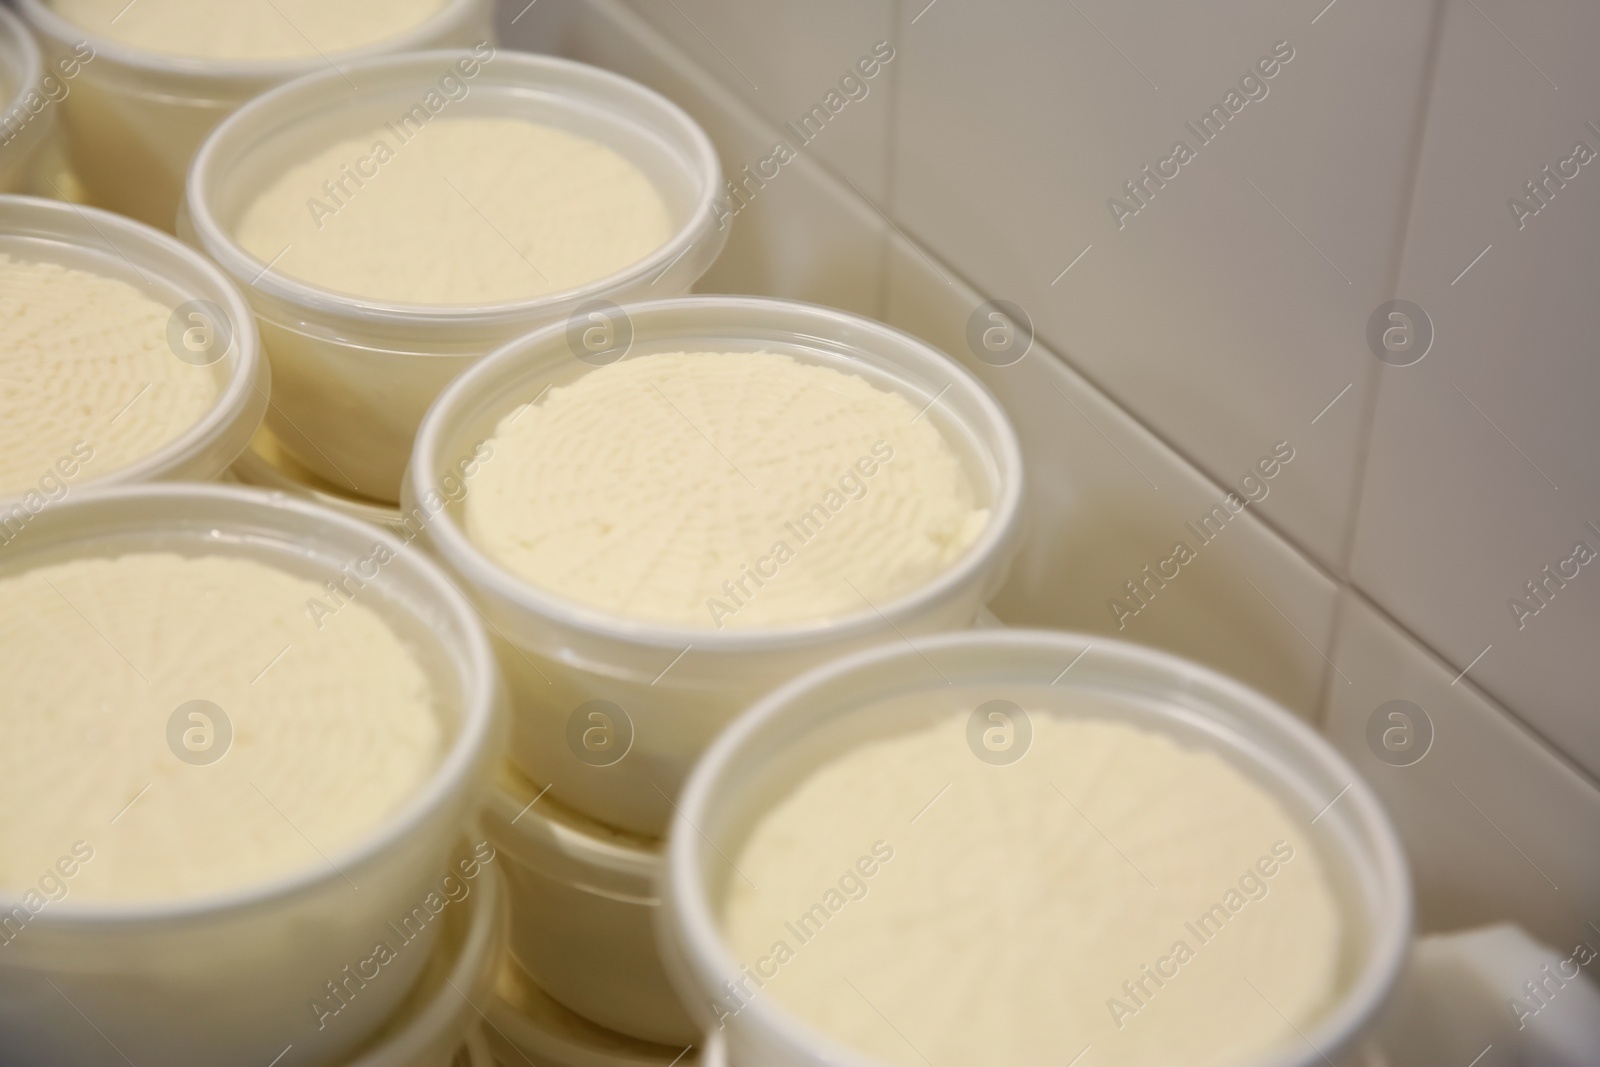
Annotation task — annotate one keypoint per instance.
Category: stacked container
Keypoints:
(220, 978)
(859, 700)
(174, 276)
(559, 655)
(581, 814)
(353, 376)
(134, 117)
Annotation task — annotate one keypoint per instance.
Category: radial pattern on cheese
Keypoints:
(1112, 888)
(724, 489)
(314, 727)
(88, 380)
(457, 211)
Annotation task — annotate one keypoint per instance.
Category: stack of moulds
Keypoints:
(889, 502)
(141, 86)
(359, 350)
(391, 235)
(320, 902)
(125, 357)
(1010, 846)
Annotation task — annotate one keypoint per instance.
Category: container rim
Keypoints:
(479, 691)
(691, 935)
(475, 960)
(296, 100)
(553, 833)
(132, 241)
(468, 390)
(240, 72)
(587, 1044)
(14, 35)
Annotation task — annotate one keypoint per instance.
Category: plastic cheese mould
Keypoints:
(596, 533)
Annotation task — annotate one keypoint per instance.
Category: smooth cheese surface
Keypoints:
(85, 361)
(333, 728)
(248, 29)
(723, 489)
(918, 904)
(457, 211)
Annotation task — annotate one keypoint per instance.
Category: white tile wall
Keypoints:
(1496, 825)
(1229, 312)
(1485, 463)
(1108, 499)
(784, 58)
(1218, 330)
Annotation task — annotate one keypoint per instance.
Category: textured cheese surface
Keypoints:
(723, 489)
(248, 29)
(84, 357)
(1018, 899)
(332, 728)
(457, 211)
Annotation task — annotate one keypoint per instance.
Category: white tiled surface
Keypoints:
(1495, 825)
(784, 58)
(1485, 463)
(1214, 318)
(1109, 496)
(1106, 499)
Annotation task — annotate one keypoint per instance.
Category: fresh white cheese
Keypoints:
(88, 381)
(316, 726)
(723, 489)
(1111, 889)
(456, 211)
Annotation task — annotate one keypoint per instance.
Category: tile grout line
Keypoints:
(1370, 395)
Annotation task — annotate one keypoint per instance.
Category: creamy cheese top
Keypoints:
(1111, 889)
(332, 727)
(442, 210)
(84, 360)
(248, 29)
(723, 489)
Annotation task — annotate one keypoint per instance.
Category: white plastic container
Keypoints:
(559, 655)
(583, 908)
(1469, 989)
(438, 1025)
(809, 721)
(172, 274)
(525, 1026)
(27, 112)
(134, 118)
(226, 979)
(583, 905)
(353, 377)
